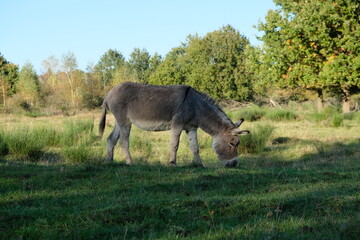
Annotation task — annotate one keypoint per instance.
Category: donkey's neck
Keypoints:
(214, 121)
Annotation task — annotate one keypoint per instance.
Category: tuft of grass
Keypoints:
(79, 154)
(139, 144)
(251, 113)
(337, 120)
(256, 141)
(4, 150)
(322, 116)
(25, 143)
(280, 115)
(74, 131)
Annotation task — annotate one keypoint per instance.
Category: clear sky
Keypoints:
(33, 30)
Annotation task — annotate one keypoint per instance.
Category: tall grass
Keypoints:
(254, 113)
(25, 143)
(4, 150)
(280, 114)
(250, 113)
(74, 139)
(330, 116)
(256, 141)
(76, 131)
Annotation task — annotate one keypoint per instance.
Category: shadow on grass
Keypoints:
(270, 199)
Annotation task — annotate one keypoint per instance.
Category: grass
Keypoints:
(257, 141)
(255, 113)
(303, 184)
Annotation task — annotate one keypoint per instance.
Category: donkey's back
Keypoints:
(149, 107)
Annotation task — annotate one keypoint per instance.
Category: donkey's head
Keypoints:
(226, 144)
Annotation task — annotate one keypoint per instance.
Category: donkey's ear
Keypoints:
(240, 132)
(238, 123)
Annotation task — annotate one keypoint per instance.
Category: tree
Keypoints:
(69, 66)
(107, 65)
(314, 45)
(171, 70)
(139, 63)
(8, 78)
(28, 86)
(217, 63)
(213, 64)
(51, 68)
(91, 90)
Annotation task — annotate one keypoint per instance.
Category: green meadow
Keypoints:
(298, 178)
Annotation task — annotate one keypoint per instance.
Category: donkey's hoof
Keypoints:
(230, 163)
(172, 163)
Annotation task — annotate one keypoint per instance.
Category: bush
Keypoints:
(255, 142)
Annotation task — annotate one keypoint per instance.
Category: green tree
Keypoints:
(314, 45)
(139, 63)
(8, 78)
(91, 90)
(107, 65)
(28, 86)
(216, 64)
(171, 70)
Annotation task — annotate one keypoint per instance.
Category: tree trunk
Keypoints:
(320, 101)
(346, 101)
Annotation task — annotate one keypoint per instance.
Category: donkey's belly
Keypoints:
(152, 125)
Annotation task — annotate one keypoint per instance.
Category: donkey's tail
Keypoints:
(102, 120)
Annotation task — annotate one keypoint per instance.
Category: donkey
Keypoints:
(176, 108)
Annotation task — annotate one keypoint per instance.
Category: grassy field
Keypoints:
(300, 181)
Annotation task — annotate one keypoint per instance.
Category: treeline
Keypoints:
(308, 47)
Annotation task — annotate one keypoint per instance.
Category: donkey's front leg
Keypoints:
(174, 144)
(194, 146)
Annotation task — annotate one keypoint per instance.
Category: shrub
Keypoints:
(255, 142)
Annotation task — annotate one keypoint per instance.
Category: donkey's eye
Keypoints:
(232, 145)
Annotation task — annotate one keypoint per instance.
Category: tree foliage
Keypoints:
(28, 86)
(314, 44)
(107, 65)
(213, 64)
(8, 78)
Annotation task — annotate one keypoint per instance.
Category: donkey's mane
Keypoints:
(212, 102)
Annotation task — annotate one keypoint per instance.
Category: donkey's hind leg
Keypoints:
(124, 141)
(111, 142)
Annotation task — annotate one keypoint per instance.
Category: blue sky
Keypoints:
(33, 30)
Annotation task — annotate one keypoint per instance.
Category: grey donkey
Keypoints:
(175, 107)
